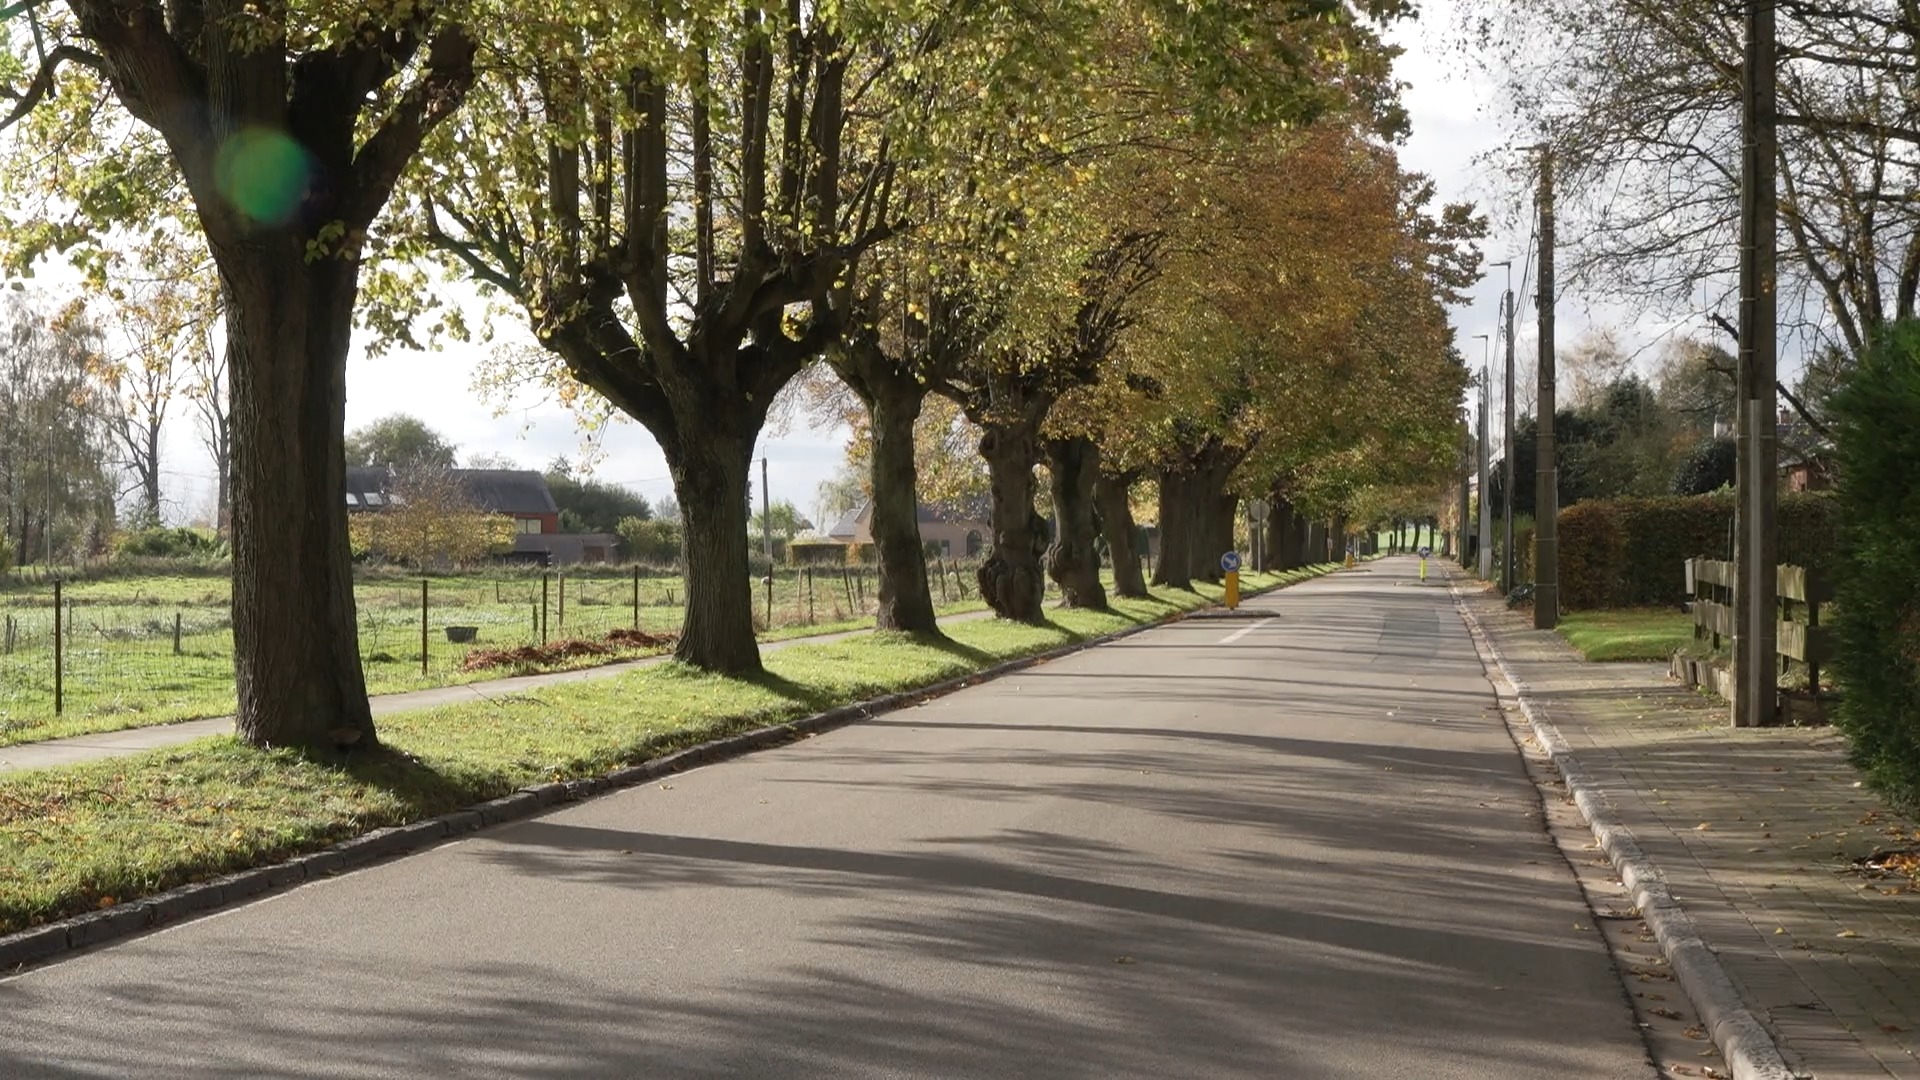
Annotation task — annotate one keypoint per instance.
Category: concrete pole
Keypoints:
(1756, 687)
(1485, 519)
(1546, 533)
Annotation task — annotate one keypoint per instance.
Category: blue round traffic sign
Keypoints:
(1425, 552)
(1230, 561)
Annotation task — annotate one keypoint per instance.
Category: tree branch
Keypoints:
(42, 83)
(377, 167)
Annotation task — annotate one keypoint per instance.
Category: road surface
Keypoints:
(1294, 844)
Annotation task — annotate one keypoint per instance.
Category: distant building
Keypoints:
(957, 532)
(520, 494)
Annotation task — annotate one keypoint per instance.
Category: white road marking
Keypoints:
(1245, 630)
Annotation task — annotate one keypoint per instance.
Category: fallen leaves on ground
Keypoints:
(557, 652)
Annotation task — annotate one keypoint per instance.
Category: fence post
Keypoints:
(423, 626)
(176, 633)
(636, 598)
(543, 606)
(810, 618)
(59, 654)
(1813, 636)
(563, 602)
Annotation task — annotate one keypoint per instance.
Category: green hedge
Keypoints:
(1877, 613)
(1630, 552)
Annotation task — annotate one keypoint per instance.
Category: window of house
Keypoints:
(528, 525)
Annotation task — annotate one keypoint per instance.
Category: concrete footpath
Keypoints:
(1756, 833)
(81, 748)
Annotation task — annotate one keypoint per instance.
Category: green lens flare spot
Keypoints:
(264, 174)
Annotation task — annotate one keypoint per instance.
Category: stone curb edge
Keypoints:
(1750, 1052)
(41, 943)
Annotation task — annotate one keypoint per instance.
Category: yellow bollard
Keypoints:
(1233, 589)
(1423, 569)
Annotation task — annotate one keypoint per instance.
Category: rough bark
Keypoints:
(1073, 559)
(1116, 519)
(1176, 522)
(1010, 580)
(906, 600)
(296, 646)
(1337, 539)
(710, 481)
(1283, 551)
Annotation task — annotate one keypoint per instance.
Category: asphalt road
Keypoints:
(1299, 844)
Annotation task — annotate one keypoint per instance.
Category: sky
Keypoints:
(1454, 121)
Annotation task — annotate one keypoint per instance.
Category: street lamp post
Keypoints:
(1506, 435)
(1485, 516)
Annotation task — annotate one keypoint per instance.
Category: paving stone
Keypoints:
(1669, 762)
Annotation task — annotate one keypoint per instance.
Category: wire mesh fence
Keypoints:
(151, 650)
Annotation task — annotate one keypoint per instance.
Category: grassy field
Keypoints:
(1628, 634)
(84, 837)
(124, 665)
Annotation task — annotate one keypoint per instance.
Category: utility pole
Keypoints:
(1506, 436)
(1466, 481)
(1756, 688)
(1485, 517)
(1546, 500)
(766, 536)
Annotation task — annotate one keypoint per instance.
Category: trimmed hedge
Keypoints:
(1877, 613)
(1630, 552)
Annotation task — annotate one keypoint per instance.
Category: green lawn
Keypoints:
(1628, 634)
(122, 665)
(83, 837)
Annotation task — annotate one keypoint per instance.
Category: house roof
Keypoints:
(926, 513)
(849, 524)
(501, 491)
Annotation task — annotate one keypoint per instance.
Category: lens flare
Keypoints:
(264, 174)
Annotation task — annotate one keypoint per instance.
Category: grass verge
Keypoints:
(84, 837)
(1628, 634)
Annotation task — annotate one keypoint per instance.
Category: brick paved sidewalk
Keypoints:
(1755, 832)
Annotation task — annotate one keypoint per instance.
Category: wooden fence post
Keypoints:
(59, 656)
(176, 633)
(636, 598)
(423, 626)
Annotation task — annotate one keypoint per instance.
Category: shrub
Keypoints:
(1630, 552)
(817, 553)
(159, 542)
(650, 540)
(1877, 614)
(1709, 467)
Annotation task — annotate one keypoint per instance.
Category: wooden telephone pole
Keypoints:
(1546, 499)
(1756, 687)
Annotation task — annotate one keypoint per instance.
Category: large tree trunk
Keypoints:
(296, 648)
(906, 601)
(1073, 560)
(710, 480)
(1337, 539)
(1116, 520)
(1010, 580)
(1283, 549)
(1176, 523)
(893, 397)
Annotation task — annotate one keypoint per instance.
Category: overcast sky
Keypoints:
(1453, 121)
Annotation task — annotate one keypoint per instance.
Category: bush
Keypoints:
(1877, 613)
(817, 553)
(1709, 467)
(649, 541)
(159, 542)
(1630, 552)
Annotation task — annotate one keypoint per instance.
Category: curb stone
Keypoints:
(41, 943)
(1750, 1052)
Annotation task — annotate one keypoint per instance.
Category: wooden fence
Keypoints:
(1801, 639)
